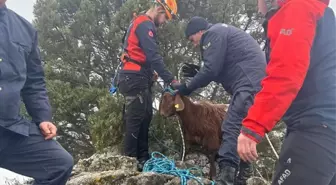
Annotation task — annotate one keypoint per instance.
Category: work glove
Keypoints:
(190, 70)
(174, 84)
(182, 89)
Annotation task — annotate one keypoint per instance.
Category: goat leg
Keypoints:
(212, 156)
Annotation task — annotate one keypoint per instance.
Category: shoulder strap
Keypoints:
(125, 30)
(267, 48)
(268, 16)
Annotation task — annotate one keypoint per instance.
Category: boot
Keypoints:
(226, 176)
(141, 165)
(245, 172)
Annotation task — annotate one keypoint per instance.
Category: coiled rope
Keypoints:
(159, 163)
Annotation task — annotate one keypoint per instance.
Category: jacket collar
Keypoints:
(3, 10)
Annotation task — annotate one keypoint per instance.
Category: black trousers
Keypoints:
(137, 116)
(308, 156)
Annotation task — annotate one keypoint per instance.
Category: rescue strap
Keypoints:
(158, 163)
(268, 16)
(125, 30)
(173, 93)
(114, 88)
(128, 59)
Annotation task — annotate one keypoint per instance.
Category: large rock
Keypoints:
(110, 169)
(106, 162)
(257, 181)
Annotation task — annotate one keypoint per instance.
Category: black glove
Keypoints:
(182, 89)
(190, 70)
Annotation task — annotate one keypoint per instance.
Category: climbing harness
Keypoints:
(114, 87)
(159, 163)
(124, 56)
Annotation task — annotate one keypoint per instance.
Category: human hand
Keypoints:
(155, 76)
(182, 89)
(48, 130)
(174, 84)
(247, 148)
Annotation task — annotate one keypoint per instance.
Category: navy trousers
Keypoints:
(239, 105)
(308, 156)
(43, 160)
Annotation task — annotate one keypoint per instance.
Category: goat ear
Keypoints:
(179, 104)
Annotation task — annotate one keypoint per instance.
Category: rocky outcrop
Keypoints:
(111, 169)
(257, 181)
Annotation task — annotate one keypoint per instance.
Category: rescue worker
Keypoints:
(26, 147)
(140, 58)
(234, 59)
(300, 88)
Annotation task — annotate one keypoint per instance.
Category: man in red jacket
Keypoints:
(300, 88)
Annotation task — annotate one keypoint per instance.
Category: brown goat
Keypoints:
(201, 123)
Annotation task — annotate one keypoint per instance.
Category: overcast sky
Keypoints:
(25, 9)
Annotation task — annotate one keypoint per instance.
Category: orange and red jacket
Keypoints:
(300, 85)
(141, 52)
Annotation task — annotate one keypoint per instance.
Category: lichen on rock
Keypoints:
(110, 169)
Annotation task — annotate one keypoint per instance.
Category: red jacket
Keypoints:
(291, 32)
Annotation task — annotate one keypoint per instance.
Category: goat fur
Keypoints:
(201, 122)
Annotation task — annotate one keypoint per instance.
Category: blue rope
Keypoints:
(163, 165)
(114, 88)
(170, 91)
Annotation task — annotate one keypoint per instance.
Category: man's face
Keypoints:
(161, 16)
(196, 38)
(2, 2)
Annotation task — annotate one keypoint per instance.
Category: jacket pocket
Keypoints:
(22, 48)
(10, 105)
(17, 56)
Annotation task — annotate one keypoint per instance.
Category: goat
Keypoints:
(201, 122)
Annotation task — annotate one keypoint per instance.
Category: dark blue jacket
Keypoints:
(21, 74)
(316, 100)
(230, 57)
